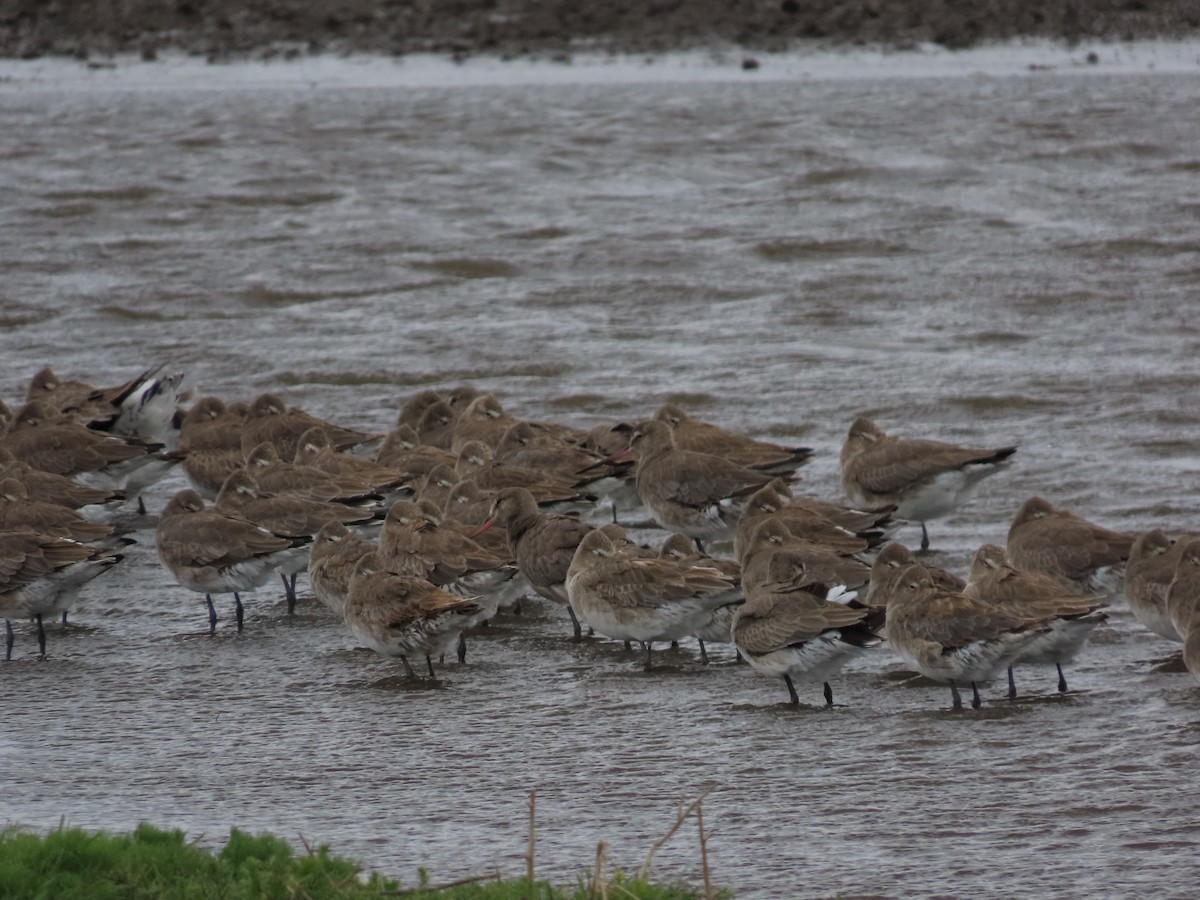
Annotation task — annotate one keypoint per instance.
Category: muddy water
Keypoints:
(987, 259)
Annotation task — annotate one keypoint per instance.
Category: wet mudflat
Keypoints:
(981, 259)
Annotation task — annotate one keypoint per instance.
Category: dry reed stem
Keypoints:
(532, 839)
(600, 873)
(644, 872)
(708, 887)
(473, 879)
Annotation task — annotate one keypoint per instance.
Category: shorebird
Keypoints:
(41, 575)
(57, 489)
(402, 615)
(953, 638)
(273, 423)
(1183, 595)
(413, 542)
(314, 449)
(52, 443)
(798, 629)
(801, 520)
(484, 420)
(719, 628)
(142, 408)
(476, 462)
(1148, 574)
(696, 493)
(1072, 618)
(335, 553)
(210, 441)
(287, 516)
(410, 414)
(436, 425)
(212, 552)
(705, 437)
(925, 479)
(888, 569)
(275, 476)
(1085, 557)
(18, 510)
(643, 600)
(403, 451)
(542, 543)
(823, 565)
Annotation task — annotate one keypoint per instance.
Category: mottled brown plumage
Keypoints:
(1083, 556)
(925, 479)
(705, 437)
(1148, 574)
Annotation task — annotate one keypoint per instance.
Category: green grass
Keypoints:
(153, 864)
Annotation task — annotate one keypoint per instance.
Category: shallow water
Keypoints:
(989, 260)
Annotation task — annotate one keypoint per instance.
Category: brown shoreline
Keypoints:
(226, 29)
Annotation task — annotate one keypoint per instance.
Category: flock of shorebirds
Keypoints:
(461, 510)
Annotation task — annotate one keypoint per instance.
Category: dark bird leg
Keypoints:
(954, 694)
(1012, 685)
(241, 613)
(141, 506)
(699, 546)
(516, 607)
(737, 656)
(212, 614)
(1062, 679)
(575, 623)
(628, 646)
(647, 645)
(8, 639)
(975, 701)
(408, 670)
(828, 695)
(787, 679)
(289, 591)
(703, 653)
(64, 618)
(429, 662)
(41, 636)
(462, 648)
(924, 537)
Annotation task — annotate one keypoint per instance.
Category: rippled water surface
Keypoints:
(980, 259)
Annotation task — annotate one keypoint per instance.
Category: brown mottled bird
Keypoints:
(18, 510)
(705, 437)
(1148, 574)
(925, 479)
(213, 552)
(41, 575)
(1183, 595)
(954, 638)
(402, 450)
(888, 569)
(696, 493)
(795, 628)
(403, 615)
(543, 543)
(335, 553)
(1072, 618)
(642, 599)
(273, 423)
(1085, 557)
(287, 515)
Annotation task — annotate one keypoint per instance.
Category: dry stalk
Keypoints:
(473, 879)
(532, 840)
(708, 887)
(600, 873)
(644, 872)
